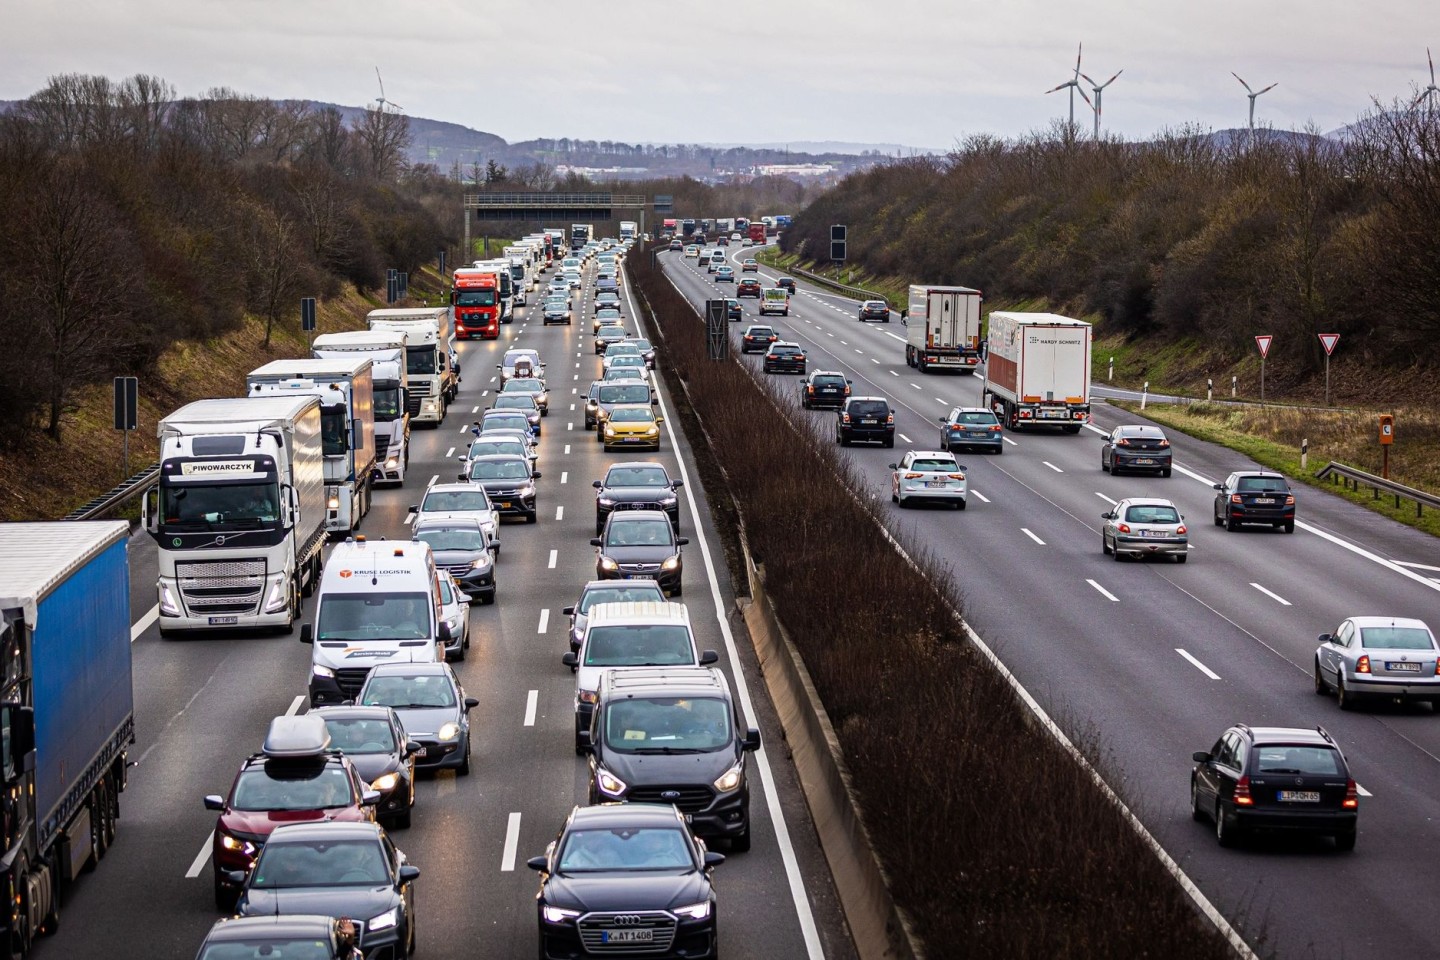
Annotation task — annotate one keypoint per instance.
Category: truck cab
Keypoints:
(475, 296)
(386, 351)
(429, 367)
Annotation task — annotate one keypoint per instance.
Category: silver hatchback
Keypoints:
(1144, 527)
(1374, 657)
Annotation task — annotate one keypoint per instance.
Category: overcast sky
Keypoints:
(918, 72)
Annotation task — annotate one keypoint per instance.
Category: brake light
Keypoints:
(913, 476)
(890, 418)
(847, 391)
(1363, 664)
(1437, 667)
(844, 418)
(1235, 498)
(956, 476)
(995, 428)
(1352, 796)
(1180, 529)
(1123, 528)
(1164, 443)
(1290, 500)
(1122, 442)
(1242, 792)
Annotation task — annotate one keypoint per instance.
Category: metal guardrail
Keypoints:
(859, 293)
(126, 491)
(1354, 479)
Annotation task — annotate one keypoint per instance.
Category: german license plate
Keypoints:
(870, 422)
(1402, 667)
(1264, 499)
(638, 576)
(627, 936)
(1299, 796)
(1146, 462)
(224, 621)
(934, 483)
(1152, 533)
(1052, 414)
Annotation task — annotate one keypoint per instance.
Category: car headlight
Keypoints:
(449, 731)
(609, 430)
(383, 921)
(386, 783)
(651, 431)
(239, 846)
(320, 670)
(454, 625)
(731, 779)
(607, 564)
(667, 501)
(609, 784)
(528, 490)
(481, 562)
(607, 501)
(670, 563)
(588, 696)
(696, 911)
(558, 914)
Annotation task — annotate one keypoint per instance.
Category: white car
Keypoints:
(928, 475)
(447, 500)
(455, 611)
(506, 365)
(750, 266)
(692, 251)
(634, 361)
(736, 236)
(573, 278)
(1380, 658)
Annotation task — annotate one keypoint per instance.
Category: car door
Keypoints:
(1223, 496)
(1107, 449)
(903, 466)
(1338, 649)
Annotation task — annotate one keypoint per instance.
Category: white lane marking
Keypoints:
(1105, 498)
(915, 385)
(492, 380)
(544, 620)
(432, 481)
(559, 513)
(532, 700)
(1362, 791)
(1416, 566)
(1103, 592)
(942, 400)
(1198, 665)
(554, 555)
(567, 448)
(449, 453)
(201, 858)
(1032, 536)
(1009, 441)
(143, 624)
(873, 360)
(570, 426)
(576, 377)
(483, 393)
(573, 391)
(858, 350)
(295, 705)
(564, 476)
(572, 407)
(512, 841)
(894, 336)
(1052, 466)
(464, 427)
(577, 366)
(977, 495)
(1271, 594)
(906, 439)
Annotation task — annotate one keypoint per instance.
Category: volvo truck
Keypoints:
(385, 349)
(433, 380)
(1037, 371)
(942, 329)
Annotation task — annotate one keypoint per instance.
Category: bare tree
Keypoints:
(275, 274)
(384, 137)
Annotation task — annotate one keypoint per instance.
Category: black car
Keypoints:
(875, 310)
(337, 870)
(1255, 497)
(432, 707)
(313, 936)
(640, 544)
(786, 283)
(637, 485)
(823, 388)
(1275, 778)
(732, 309)
(1136, 448)
(784, 358)
(509, 482)
(383, 754)
(757, 338)
(865, 418)
(626, 874)
(673, 734)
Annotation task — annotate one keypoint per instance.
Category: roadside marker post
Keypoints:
(127, 413)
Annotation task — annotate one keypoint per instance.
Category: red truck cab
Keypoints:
(475, 299)
(757, 233)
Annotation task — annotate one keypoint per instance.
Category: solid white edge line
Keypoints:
(798, 893)
(1198, 665)
(1362, 791)
(201, 858)
(978, 495)
(532, 701)
(512, 843)
(1032, 536)
(1271, 594)
(143, 624)
(1103, 592)
(544, 620)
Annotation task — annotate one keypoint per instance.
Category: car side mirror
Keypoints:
(1218, 486)
(1107, 516)
(596, 484)
(535, 475)
(682, 541)
(570, 660)
(464, 598)
(752, 739)
(235, 877)
(369, 797)
(471, 703)
(582, 741)
(676, 484)
(567, 611)
(537, 863)
(462, 477)
(409, 873)
(713, 859)
(654, 401)
(1324, 638)
(214, 802)
(594, 541)
(709, 657)
(307, 633)
(1200, 756)
(412, 748)
(415, 507)
(443, 634)
(894, 466)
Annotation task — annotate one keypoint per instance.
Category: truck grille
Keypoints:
(351, 679)
(382, 446)
(222, 586)
(692, 799)
(415, 396)
(593, 927)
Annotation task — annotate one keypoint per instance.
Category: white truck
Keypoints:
(942, 329)
(385, 349)
(501, 267)
(428, 342)
(346, 388)
(239, 512)
(629, 230)
(1037, 371)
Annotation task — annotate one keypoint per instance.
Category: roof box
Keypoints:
(297, 737)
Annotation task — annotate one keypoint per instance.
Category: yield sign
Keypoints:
(1263, 342)
(1328, 341)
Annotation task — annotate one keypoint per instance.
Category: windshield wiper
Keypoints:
(668, 750)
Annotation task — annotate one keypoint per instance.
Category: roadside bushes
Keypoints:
(996, 843)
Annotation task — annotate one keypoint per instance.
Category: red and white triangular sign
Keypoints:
(1328, 341)
(1263, 342)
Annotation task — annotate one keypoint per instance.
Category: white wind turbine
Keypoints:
(1431, 90)
(1074, 84)
(381, 99)
(1252, 94)
(1099, 90)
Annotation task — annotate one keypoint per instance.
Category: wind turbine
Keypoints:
(1074, 84)
(1252, 94)
(381, 99)
(1431, 90)
(1099, 90)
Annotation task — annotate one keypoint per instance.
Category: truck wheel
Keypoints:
(18, 942)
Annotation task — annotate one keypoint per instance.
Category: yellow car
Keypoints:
(632, 425)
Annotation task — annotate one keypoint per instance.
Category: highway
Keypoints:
(1148, 662)
(204, 703)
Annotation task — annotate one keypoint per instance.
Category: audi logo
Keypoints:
(670, 795)
(628, 920)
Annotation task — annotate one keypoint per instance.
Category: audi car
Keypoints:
(637, 485)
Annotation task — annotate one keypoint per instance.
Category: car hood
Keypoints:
(645, 768)
(630, 890)
(359, 903)
(642, 554)
(632, 426)
(643, 494)
(426, 721)
(261, 823)
(453, 558)
(372, 766)
(490, 485)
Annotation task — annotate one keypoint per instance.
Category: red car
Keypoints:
(748, 287)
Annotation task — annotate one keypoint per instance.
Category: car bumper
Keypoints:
(394, 801)
(774, 366)
(1140, 463)
(668, 579)
(381, 945)
(942, 494)
(1412, 686)
(986, 442)
(1299, 821)
(694, 940)
(1260, 514)
(632, 440)
(513, 506)
(868, 434)
(481, 581)
(440, 754)
(603, 513)
(874, 316)
(1147, 547)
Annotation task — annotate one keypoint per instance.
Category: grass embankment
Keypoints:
(995, 842)
(46, 479)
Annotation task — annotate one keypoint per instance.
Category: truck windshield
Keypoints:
(373, 616)
(228, 505)
(332, 430)
(474, 298)
(420, 361)
(387, 403)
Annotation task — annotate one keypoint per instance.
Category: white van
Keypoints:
(379, 602)
(775, 300)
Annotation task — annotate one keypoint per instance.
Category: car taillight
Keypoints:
(1363, 664)
(956, 476)
(995, 428)
(1290, 501)
(890, 418)
(847, 391)
(1180, 529)
(772, 356)
(1352, 796)
(1235, 498)
(1122, 442)
(913, 476)
(1242, 792)
(1164, 443)
(1123, 528)
(844, 418)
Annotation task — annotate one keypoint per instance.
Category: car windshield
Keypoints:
(1280, 758)
(632, 415)
(373, 616)
(515, 402)
(321, 863)
(637, 477)
(622, 592)
(361, 734)
(292, 785)
(1152, 514)
(512, 355)
(978, 416)
(523, 385)
(1396, 638)
(610, 333)
(499, 470)
(760, 332)
(667, 724)
(934, 465)
(633, 361)
(607, 314)
(649, 848)
(638, 645)
(626, 393)
(1266, 484)
(454, 501)
(269, 947)
(488, 448)
(505, 421)
(452, 538)
(622, 349)
(868, 408)
(414, 693)
(624, 532)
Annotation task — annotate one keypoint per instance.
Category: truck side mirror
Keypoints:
(150, 510)
(19, 726)
(307, 633)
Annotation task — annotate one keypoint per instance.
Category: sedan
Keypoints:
(923, 475)
(556, 311)
(972, 427)
(1144, 527)
(1393, 658)
(750, 266)
(607, 335)
(534, 387)
(1255, 497)
(646, 348)
(626, 874)
(724, 274)
(607, 301)
(338, 870)
(640, 542)
(875, 310)
(432, 707)
(523, 403)
(749, 287)
(784, 358)
(375, 741)
(462, 549)
(639, 485)
(608, 591)
(692, 251)
(1136, 447)
(823, 388)
(316, 937)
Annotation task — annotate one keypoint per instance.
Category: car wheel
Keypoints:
(1181, 557)
(1219, 522)
(740, 843)
(1196, 813)
(895, 498)
(1165, 472)
(944, 444)
(1104, 546)
(1116, 551)
(889, 442)
(1345, 700)
(960, 505)
(1226, 834)
(532, 517)
(1104, 467)
(678, 590)
(1290, 526)
(999, 450)
(1232, 525)
(225, 897)
(1345, 841)
(464, 769)
(843, 440)
(1321, 687)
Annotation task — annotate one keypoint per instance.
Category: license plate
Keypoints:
(224, 621)
(1299, 796)
(638, 576)
(420, 752)
(1145, 461)
(934, 483)
(1264, 499)
(1052, 414)
(1154, 533)
(1403, 667)
(628, 936)
(868, 423)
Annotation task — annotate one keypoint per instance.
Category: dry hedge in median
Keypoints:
(996, 842)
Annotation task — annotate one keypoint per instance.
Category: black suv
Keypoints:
(784, 358)
(1275, 778)
(824, 388)
(865, 418)
(786, 283)
(1255, 497)
(1136, 447)
(636, 485)
(673, 735)
(757, 338)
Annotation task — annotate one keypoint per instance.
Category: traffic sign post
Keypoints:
(1328, 341)
(837, 242)
(127, 413)
(1263, 341)
(307, 317)
(717, 329)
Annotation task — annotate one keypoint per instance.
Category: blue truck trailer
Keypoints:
(67, 715)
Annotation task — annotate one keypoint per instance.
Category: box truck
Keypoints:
(942, 329)
(433, 381)
(1037, 371)
(385, 349)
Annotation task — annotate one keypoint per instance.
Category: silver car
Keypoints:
(1144, 527)
(455, 611)
(446, 500)
(533, 386)
(1389, 657)
(928, 475)
(522, 403)
(510, 442)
